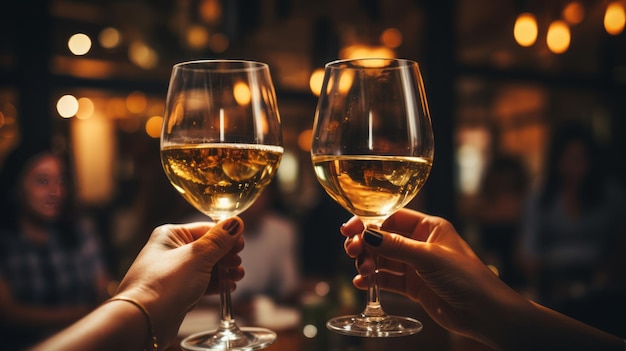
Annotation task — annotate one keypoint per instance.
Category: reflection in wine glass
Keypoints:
(221, 144)
(372, 152)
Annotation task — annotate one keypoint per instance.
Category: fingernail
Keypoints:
(342, 228)
(232, 227)
(372, 237)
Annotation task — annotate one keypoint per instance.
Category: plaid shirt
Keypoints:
(50, 275)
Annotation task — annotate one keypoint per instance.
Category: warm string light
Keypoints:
(573, 13)
(389, 39)
(558, 35)
(525, 29)
(143, 55)
(614, 18)
(136, 103)
(196, 36)
(526, 32)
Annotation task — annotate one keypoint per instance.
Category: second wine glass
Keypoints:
(221, 144)
(372, 152)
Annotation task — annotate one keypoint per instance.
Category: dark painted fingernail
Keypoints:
(232, 227)
(372, 237)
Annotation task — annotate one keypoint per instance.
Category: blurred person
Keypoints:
(574, 224)
(317, 227)
(52, 269)
(144, 199)
(270, 256)
(498, 215)
(423, 258)
(165, 281)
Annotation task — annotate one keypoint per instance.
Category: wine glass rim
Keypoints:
(207, 65)
(347, 63)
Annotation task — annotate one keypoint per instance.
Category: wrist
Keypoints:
(162, 319)
(505, 318)
(115, 325)
(152, 340)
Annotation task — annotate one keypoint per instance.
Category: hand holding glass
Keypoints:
(372, 152)
(221, 144)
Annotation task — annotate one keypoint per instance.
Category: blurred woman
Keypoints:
(52, 271)
(574, 225)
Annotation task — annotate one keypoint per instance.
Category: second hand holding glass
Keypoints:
(221, 144)
(372, 152)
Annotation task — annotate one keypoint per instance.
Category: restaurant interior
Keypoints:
(501, 77)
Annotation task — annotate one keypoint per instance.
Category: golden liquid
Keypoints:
(220, 180)
(372, 187)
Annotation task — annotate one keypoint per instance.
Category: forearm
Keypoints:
(535, 327)
(117, 325)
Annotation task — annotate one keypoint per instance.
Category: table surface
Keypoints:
(291, 336)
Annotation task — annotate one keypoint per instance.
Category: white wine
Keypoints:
(372, 187)
(220, 179)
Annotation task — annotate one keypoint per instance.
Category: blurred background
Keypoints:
(502, 76)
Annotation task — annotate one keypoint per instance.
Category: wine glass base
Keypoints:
(388, 326)
(250, 338)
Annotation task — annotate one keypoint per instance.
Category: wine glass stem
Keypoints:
(226, 316)
(373, 307)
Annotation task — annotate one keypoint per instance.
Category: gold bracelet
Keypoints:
(142, 308)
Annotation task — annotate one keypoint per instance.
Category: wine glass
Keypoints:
(372, 152)
(221, 144)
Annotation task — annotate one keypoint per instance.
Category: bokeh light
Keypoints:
(143, 55)
(110, 38)
(197, 37)
(136, 102)
(79, 44)
(210, 10)
(86, 108)
(574, 13)
(305, 139)
(525, 30)
(614, 18)
(153, 126)
(391, 38)
(558, 37)
(219, 43)
(316, 80)
(309, 331)
(67, 106)
(242, 93)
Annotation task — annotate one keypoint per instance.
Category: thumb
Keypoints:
(220, 239)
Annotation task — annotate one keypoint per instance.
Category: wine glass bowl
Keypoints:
(221, 144)
(220, 179)
(372, 152)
